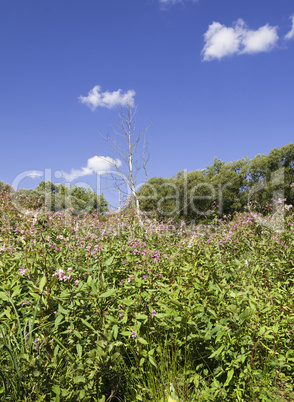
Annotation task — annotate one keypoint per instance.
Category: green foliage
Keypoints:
(191, 196)
(109, 309)
(59, 197)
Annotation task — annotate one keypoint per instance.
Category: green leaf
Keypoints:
(110, 318)
(152, 361)
(247, 313)
(79, 379)
(58, 320)
(126, 333)
(42, 283)
(176, 302)
(217, 352)
(16, 291)
(141, 340)
(89, 280)
(56, 389)
(109, 261)
(178, 319)
(88, 325)
(115, 331)
(64, 392)
(141, 317)
(79, 350)
(3, 296)
(109, 292)
(127, 302)
(62, 310)
(56, 349)
(229, 377)
(212, 312)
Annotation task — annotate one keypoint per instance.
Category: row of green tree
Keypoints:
(228, 187)
(191, 196)
(57, 197)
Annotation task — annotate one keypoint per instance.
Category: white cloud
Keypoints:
(221, 41)
(166, 3)
(97, 164)
(96, 98)
(34, 174)
(262, 40)
(171, 2)
(290, 34)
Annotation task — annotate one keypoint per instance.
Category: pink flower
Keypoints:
(134, 334)
(61, 275)
(154, 313)
(22, 271)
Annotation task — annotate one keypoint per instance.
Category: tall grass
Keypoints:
(98, 309)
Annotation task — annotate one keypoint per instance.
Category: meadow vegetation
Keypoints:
(111, 308)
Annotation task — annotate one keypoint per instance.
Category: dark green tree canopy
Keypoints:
(229, 186)
(79, 199)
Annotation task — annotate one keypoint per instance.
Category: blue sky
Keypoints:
(215, 78)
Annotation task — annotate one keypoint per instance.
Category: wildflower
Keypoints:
(61, 275)
(120, 314)
(131, 278)
(76, 283)
(121, 282)
(37, 344)
(281, 200)
(145, 277)
(247, 263)
(154, 313)
(134, 335)
(22, 271)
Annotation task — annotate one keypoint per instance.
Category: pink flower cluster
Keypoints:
(61, 274)
(22, 271)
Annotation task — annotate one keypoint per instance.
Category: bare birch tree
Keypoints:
(130, 146)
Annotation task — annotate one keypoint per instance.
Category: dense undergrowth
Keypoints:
(105, 308)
